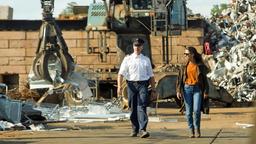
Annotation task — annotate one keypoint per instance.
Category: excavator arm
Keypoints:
(53, 66)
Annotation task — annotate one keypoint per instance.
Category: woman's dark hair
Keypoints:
(197, 56)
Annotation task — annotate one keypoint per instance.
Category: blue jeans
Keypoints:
(193, 100)
(138, 101)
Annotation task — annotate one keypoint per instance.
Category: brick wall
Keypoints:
(17, 50)
(190, 37)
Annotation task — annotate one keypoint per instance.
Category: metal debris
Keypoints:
(88, 112)
(38, 127)
(244, 125)
(232, 38)
(5, 125)
(10, 110)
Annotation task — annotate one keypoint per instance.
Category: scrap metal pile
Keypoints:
(231, 38)
(28, 115)
(15, 114)
(88, 112)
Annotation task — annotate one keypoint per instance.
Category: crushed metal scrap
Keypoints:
(15, 114)
(231, 39)
(92, 111)
(20, 115)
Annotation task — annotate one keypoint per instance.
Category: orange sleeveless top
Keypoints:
(192, 76)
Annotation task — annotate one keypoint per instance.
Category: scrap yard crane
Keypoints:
(53, 67)
(52, 62)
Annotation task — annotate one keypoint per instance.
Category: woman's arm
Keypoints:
(179, 82)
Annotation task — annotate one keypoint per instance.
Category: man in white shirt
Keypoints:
(137, 70)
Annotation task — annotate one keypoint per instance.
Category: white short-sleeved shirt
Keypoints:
(136, 68)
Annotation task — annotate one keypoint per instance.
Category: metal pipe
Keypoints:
(97, 89)
(236, 6)
(106, 7)
(88, 42)
(167, 48)
(163, 49)
(111, 93)
(104, 48)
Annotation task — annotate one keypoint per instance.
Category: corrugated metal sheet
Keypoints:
(10, 110)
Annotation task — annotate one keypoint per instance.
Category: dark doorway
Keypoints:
(11, 80)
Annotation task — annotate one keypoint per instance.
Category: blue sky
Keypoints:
(31, 9)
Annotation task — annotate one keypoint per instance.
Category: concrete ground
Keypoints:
(221, 126)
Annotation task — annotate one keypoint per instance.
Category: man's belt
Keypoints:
(138, 82)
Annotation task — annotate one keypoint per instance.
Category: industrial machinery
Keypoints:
(52, 62)
(53, 67)
(130, 19)
(134, 18)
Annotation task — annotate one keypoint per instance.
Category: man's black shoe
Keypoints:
(144, 134)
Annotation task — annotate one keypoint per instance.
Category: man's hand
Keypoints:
(179, 95)
(119, 91)
(205, 96)
(119, 85)
(153, 95)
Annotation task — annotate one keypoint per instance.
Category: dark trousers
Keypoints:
(138, 101)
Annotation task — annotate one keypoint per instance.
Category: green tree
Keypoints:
(217, 9)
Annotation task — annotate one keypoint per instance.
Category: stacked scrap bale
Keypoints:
(231, 37)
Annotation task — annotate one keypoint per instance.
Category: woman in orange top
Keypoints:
(192, 85)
